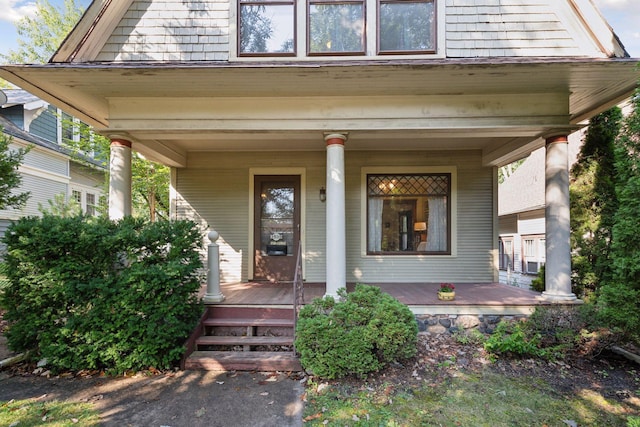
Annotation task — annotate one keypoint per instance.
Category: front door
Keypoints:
(277, 227)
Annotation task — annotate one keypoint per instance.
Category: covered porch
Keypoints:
(422, 298)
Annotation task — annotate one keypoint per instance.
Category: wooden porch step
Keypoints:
(243, 361)
(274, 323)
(244, 340)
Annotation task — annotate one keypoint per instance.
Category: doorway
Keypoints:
(276, 227)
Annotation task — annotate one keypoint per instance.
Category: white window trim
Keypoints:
(76, 127)
(408, 170)
(370, 34)
(84, 190)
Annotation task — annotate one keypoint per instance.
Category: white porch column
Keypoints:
(558, 247)
(120, 179)
(336, 266)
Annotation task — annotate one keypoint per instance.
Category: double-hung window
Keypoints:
(336, 27)
(409, 214)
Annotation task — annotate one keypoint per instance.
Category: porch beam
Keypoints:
(120, 178)
(558, 247)
(336, 253)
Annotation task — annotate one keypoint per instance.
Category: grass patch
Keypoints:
(487, 399)
(33, 412)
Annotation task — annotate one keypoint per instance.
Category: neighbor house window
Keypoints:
(409, 214)
(266, 27)
(91, 204)
(533, 249)
(77, 196)
(506, 253)
(406, 26)
(336, 27)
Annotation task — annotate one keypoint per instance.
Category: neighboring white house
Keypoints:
(48, 168)
(367, 132)
(521, 211)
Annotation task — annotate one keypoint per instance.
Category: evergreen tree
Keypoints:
(10, 178)
(593, 203)
(619, 298)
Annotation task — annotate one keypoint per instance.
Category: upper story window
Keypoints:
(336, 27)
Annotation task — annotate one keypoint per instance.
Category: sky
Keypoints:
(622, 15)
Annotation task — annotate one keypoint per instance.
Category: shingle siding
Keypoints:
(169, 30)
(479, 28)
(46, 125)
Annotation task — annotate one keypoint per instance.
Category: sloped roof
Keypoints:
(22, 97)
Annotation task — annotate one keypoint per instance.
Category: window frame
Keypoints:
(504, 256)
(239, 5)
(452, 204)
(434, 30)
(370, 35)
(309, 3)
(538, 242)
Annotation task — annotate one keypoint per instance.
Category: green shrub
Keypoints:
(618, 308)
(538, 284)
(551, 332)
(89, 293)
(361, 333)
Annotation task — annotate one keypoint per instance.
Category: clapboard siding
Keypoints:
(42, 190)
(47, 160)
(473, 262)
(171, 30)
(14, 114)
(46, 125)
(214, 192)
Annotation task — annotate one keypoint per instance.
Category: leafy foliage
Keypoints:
(10, 178)
(89, 293)
(40, 36)
(594, 203)
(362, 332)
(550, 333)
(619, 300)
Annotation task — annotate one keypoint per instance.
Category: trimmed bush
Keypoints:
(89, 293)
(361, 333)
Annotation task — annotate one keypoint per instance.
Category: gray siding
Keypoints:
(170, 30)
(14, 114)
(45, 160)
(46, 125)
(486, 28)
(217, 196)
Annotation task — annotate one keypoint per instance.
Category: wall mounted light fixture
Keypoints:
(323, 194)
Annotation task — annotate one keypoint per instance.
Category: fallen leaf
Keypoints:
(200, 412)
(313, 417)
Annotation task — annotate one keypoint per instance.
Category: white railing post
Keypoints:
(213, 294)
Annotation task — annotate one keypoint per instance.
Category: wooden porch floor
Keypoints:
(471, 298)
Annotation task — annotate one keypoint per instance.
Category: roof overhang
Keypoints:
(502, 107)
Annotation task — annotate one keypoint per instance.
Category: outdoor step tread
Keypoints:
(243, 361)
(244, 340)
(212, 321)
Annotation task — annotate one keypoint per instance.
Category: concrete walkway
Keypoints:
(184, 398)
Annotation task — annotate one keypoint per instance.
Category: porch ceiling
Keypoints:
(170, 110)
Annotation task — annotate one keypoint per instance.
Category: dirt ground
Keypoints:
(136, 400)
(440, 356)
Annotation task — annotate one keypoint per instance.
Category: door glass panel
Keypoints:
(277, 219)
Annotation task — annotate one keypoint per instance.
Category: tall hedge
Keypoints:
(89, 293)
